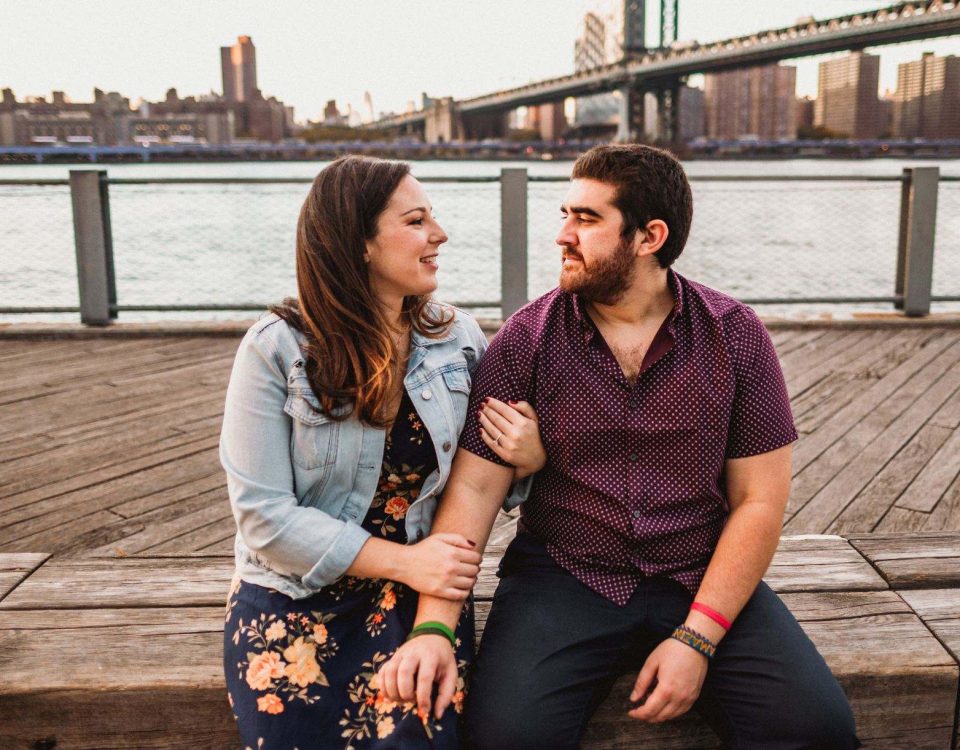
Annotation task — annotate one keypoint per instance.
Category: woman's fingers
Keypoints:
(525, 409)
(496, 447)
(504, 410)
(495, 429)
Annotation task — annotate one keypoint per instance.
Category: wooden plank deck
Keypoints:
(109, 445)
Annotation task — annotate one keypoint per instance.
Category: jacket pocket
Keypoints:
(457, 382)
(314, 436)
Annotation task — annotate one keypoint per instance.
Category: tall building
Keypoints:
(757, 102)
(238, 65)
(693, 113)
(927, 100)
(847, 96)
(607, 29)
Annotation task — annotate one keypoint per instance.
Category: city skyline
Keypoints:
(413, 57)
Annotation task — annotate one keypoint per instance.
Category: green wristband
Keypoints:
(433, 628)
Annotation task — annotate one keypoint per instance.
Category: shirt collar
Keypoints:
(589, 328)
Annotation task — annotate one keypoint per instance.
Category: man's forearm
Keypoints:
(469, 507)
(743, 554)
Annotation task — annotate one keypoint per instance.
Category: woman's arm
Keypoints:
(305, 541)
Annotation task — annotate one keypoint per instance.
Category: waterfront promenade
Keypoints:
(108, 445)
(116, 535)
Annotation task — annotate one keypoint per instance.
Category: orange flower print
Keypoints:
(264, 668)
(270, 703)
(458, 701)
(396, 507)
(320, 633)
(388, 601)
(378, 618)
(276, 631)
(385, 727)
(412, 477)
(382, 704)
(302, 668)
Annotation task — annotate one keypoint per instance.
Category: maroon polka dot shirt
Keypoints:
(633, 484)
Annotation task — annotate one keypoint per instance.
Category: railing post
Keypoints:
(513, 240)
(918, 222)
(94, 245)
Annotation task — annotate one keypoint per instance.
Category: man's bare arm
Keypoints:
(757, 490)
(473, 496)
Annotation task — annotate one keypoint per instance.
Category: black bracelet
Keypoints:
(697, 641)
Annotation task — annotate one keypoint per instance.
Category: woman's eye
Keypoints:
(417, 221)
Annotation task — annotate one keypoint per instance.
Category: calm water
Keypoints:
(193, 244)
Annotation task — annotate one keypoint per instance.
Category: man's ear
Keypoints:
(651, 238)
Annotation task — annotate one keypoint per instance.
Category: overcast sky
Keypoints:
(309, 52)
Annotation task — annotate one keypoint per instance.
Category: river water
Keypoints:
(232, 244)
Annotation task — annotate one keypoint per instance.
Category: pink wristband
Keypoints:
(722, 621)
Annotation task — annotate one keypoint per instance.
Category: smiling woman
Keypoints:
(342, 413)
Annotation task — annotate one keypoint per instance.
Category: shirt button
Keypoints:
(446, 447)
(633, 457)
(426, 395)
(637, 514)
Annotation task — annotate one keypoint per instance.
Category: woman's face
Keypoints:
(402, 258)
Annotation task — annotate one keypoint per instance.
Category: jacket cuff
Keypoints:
(340, 556)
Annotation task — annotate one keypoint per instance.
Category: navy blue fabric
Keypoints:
(552, 648)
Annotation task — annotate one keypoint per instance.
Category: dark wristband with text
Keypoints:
(697, 641)
(433, 628)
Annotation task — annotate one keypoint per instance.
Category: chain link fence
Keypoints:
(38, 266)
(189, 244)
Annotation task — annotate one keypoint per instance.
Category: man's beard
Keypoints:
(606, 280)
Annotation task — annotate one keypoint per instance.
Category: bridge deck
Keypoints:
(110, 445)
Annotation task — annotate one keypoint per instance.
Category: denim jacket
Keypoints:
(300, 483)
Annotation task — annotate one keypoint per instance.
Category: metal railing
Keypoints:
(728, 204)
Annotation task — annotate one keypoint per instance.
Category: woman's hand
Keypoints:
(512, 431)
(442, 565)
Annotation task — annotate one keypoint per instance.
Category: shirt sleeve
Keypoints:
(505, 372)
(760, 420)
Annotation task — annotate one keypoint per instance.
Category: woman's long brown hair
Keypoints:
(351, 356)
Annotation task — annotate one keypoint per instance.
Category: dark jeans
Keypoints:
(552, 648)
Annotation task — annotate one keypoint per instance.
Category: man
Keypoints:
(642, 544)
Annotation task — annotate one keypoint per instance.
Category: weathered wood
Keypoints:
(874, 441)
(14, 567)
(157, 684)
(124, 583)
(866, 510)
(913, 561)
(932, 483)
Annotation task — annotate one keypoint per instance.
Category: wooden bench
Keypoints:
(126, 652)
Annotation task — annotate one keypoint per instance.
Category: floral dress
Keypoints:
(302, 673)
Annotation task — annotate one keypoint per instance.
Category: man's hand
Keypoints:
(414, 668)
(679, 672)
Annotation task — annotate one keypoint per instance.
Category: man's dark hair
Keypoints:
(650, 185)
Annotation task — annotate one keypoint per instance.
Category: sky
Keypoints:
(310, 52)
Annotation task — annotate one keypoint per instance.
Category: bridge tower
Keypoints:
(632, 124)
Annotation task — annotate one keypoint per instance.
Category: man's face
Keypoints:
(598, 263)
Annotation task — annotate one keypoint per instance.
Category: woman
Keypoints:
(341, 422)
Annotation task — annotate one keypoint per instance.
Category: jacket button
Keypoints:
(426, 395)
(446, 447)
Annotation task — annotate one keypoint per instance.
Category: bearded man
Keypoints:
(643, 541)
